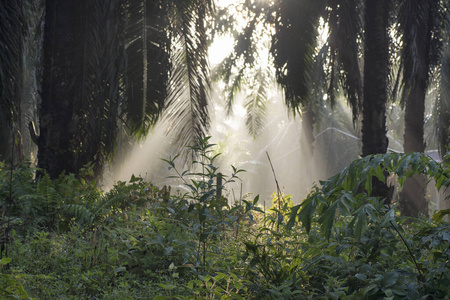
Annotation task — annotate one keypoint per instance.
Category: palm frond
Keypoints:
(345, 22)
(147, 52)
(97, 108)
(321, 83)
(187, 105)
(233, 69)
(233, 89)
(256, 103)
(419, 26)
(293, 47)
(12, 32)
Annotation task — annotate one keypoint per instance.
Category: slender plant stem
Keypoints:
(279, 194)
(409, 249)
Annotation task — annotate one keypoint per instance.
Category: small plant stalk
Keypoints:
(279, 194)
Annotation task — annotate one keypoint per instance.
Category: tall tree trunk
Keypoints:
(62, 60)
(307, 144)
(412, 199)
(420, 25)
(376, 58)
(308, 118)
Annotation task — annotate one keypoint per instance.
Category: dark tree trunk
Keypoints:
(414, 119)
(307, 145)
(376, 58)
(62, 63)
(420, 24)
(308, 117)
(412, 199)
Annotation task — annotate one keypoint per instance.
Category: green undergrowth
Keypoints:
(67, 239)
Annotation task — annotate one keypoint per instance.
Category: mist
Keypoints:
(281, 139)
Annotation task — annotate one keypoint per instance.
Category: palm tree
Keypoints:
(115, 62)
(376, 70)
(80, 86)
(351, 23)
(420, 31)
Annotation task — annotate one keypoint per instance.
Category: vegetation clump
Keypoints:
(67, 239)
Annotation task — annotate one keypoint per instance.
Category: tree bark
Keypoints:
(376, 58)
(412, 199)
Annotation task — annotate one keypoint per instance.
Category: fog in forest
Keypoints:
(337, 143)
(281, 139)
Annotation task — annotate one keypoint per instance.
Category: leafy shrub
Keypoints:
(139, 242)
(355, 246)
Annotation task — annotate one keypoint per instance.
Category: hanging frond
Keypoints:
(419, 22)
(103, 63)
(345, 23)
(256, 103)
(233, 89)
(187, 105)
(293, 47)
(147, 66)
(12, 32)
(233, 69)
(320, 78)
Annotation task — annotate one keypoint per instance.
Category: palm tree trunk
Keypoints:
(420, 24)
(308, 129)
(58, 122)
(376, 58)
(412, 199)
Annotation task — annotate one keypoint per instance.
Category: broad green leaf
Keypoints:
(5, 260)
(293, 216)
(437, 217)
(403, 165)
(415, 160)
(306, 213)
(368, 185)
(379, 173)
(389, 279)
(344, 203)
(327, 219)
(361, 277)
(361, 223)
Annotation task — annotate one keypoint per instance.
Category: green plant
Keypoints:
(358, 226)
(10, 287)
(204, 198)
(347, 192)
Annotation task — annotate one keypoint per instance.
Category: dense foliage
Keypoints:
(67, 239)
